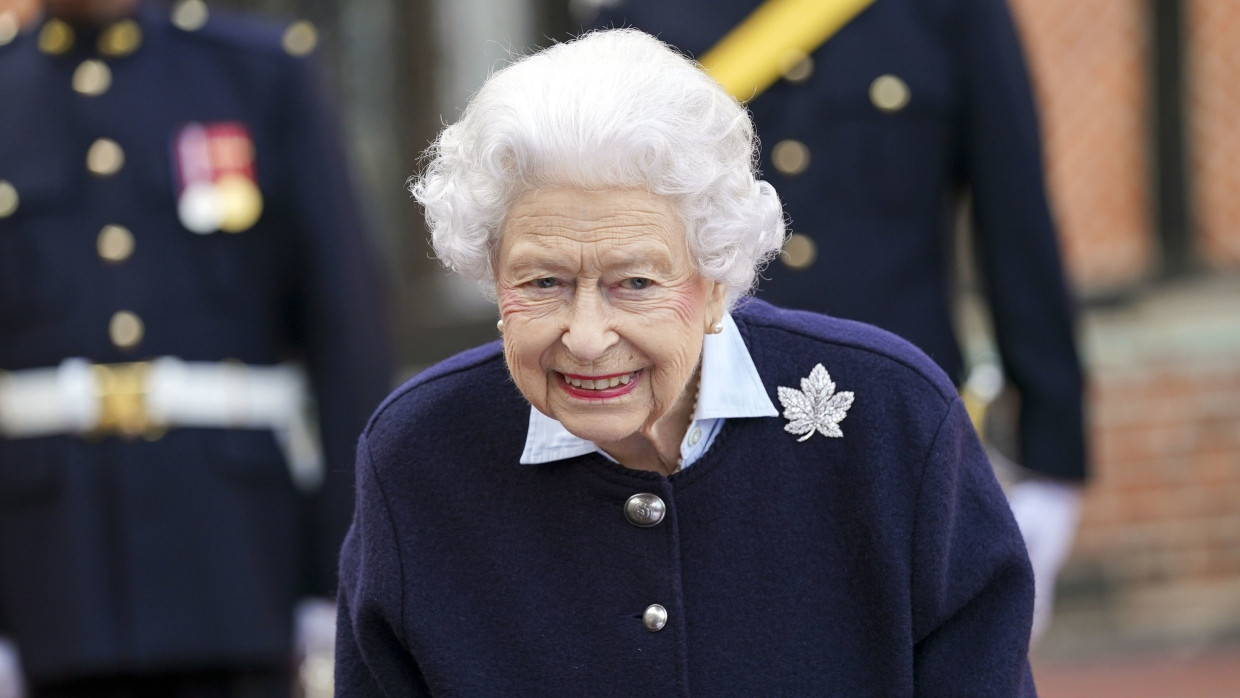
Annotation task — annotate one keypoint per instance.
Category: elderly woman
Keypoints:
(650, 486)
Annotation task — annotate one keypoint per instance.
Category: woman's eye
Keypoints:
(544, 283)
(636, 284)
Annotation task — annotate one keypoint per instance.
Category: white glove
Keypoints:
(1047, 512)
(12, 685)
(316, 646)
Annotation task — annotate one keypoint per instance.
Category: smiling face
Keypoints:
(604, 311)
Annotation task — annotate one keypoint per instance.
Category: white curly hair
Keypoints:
(612, 109)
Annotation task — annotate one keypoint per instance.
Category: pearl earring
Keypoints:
(716, 328)
(500, 325)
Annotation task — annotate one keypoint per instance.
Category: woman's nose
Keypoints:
(590, 331)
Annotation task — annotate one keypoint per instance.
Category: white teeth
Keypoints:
(601, 383)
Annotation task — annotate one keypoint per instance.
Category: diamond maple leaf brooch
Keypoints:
(816, 407)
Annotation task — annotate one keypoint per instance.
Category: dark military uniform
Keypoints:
(873, 143)
(135, 548)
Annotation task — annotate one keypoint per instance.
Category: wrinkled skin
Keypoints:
(604, 313)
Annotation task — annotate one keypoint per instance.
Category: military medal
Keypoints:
(217, 188)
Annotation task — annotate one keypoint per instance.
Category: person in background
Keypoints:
(608, 501)
(192, 333)
(899, 114)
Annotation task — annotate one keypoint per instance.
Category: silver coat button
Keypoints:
(654, 618)
(644, 510)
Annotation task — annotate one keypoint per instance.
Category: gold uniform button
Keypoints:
(8, 27)
(105, 157)
(120, 39)
(8, 198)
(125, 329)
(190, 15)
(300, 38)
(790, 157)
(889, 93)
(115, 243)
(56, 37)
(799, 251)
(92, 78)
(796, 66)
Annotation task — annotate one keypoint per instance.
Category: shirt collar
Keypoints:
(730, 389)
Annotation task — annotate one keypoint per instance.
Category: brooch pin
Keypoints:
(816, 407)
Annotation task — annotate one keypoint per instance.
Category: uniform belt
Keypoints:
(137, 399)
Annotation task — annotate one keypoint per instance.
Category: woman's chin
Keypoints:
(599, 428)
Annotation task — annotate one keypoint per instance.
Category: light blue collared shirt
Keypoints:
(729, 389)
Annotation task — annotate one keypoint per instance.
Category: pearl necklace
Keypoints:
(697, 395)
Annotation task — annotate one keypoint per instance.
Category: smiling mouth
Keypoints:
(599, 382)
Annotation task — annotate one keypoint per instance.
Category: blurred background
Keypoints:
(1141, 116)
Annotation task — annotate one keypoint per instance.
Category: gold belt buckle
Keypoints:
(121, 390)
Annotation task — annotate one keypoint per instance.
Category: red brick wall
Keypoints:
(1157, 560)
(1088, 62)
(1213, 103)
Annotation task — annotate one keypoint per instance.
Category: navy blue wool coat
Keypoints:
(188, 551)
(879, 190)
(884, 562)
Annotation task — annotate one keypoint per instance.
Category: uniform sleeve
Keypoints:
(337, 306)
(1016, 246)
(972, 584)
(371, 656)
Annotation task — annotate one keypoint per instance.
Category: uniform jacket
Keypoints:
(879, 196)
(883, 562)
(189, 549)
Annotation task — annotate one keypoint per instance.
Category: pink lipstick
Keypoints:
(599, 387)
